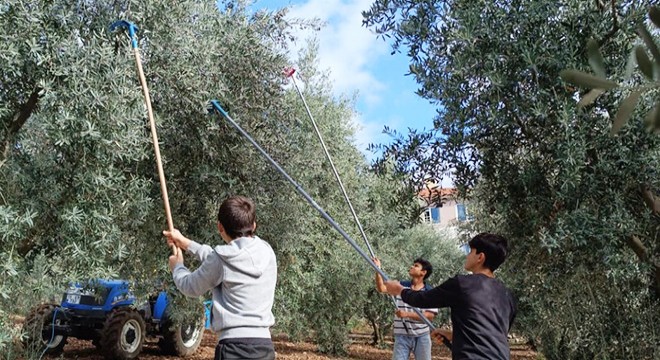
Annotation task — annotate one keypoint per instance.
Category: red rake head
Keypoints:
(289, 71)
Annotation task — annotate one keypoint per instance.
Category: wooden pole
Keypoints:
(154, 136)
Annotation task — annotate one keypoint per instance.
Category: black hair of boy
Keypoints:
(426, 265)
(237, 215)
(495, 247)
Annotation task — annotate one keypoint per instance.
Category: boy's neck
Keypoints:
(417, 283)
(228, 241)
(484, 271)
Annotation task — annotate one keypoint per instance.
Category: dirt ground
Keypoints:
(286, 350)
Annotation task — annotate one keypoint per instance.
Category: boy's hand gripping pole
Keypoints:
(132, 33)
(216, 106)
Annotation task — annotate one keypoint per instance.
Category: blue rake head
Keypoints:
(132, 30)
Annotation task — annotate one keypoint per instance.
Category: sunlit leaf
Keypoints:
(654, 15)
(587, 80)
(643, 61)
(625, 111)
(595, 58)
(648, 40)
(630, 65)
(590, 97)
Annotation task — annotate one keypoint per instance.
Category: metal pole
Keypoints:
(216, 105)
(332, 165)
(291, 74)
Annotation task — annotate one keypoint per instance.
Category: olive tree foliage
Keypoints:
(548, 175)
(79, 195)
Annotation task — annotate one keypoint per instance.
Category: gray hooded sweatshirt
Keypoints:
(242, 276)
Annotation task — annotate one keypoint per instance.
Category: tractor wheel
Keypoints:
(123, 334)
(182, 339)
(39, 333)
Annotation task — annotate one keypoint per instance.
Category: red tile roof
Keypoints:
(437, 194)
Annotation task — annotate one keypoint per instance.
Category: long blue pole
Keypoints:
(216, 105)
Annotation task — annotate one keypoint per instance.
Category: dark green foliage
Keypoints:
(573, 199)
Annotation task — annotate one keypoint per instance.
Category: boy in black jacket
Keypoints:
(482, 308)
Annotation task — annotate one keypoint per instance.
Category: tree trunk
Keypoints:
(378, 338)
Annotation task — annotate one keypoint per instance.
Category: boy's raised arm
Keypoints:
(200, 250)
(440, 296)
(198, 282)
(175, 237)
(380, 285)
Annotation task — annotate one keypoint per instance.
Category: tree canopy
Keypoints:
(79, 194)
(538, 169)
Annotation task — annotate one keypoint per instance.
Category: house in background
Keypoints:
(443, 209)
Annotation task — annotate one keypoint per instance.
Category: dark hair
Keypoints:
(237, 215)
(495, 247)
(425, 266)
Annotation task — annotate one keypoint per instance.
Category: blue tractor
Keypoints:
(106, 312)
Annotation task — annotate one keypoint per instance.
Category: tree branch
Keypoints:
(636, 245)
(615, 25)
(25, 112)
(17, 123)
(649, 199)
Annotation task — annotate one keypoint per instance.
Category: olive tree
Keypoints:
(539, 170)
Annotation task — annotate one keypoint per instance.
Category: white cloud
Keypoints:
(365, 132)
(346, 48)
(351, 53)
(358, 62)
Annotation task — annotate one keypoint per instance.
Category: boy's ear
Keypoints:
(481, 257)
(221, 228)
(254, 226)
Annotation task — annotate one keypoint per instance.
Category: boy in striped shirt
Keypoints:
(411, 334)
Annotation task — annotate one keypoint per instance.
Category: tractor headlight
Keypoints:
(119, 298)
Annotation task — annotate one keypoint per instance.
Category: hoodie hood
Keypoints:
(246, 255)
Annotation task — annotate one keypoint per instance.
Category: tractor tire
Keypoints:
(38, 337)
(123, 334)
(181, 339)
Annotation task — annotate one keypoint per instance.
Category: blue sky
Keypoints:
(360, 63)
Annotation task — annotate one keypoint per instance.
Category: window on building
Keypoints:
(431, 215)
(426, 216)
(461, 212)
(435, 215)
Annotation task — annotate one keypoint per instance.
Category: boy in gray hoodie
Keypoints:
(241, 275)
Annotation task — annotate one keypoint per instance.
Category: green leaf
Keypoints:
(648, 40)
(625, 111)
(590, 97)
(654, 15)
(652, 119)
(630, 65)
(644, 62)
(580, 78)
(595, 58)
